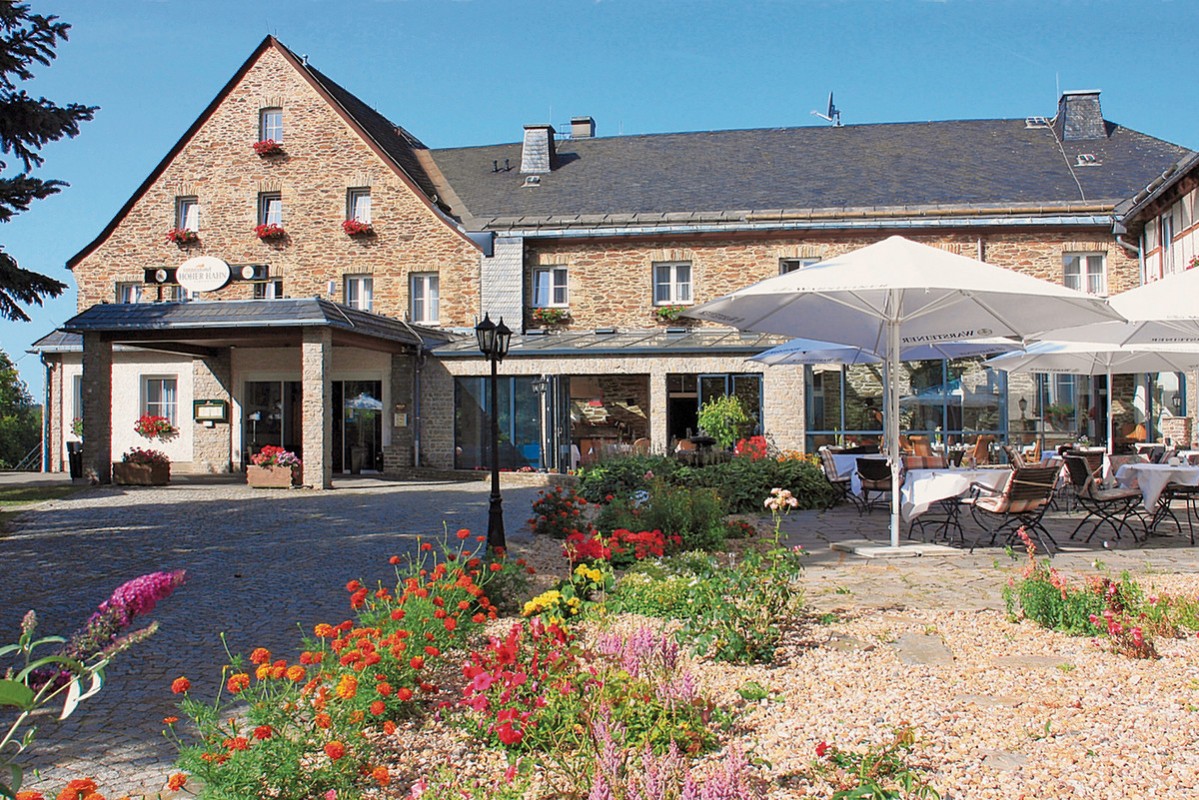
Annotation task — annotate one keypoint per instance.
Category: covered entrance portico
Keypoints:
(304, 333)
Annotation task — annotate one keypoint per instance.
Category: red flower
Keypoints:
(508, 734)
(176, 781)
(263, 732)
(260, 656)
(180, 685)
(335, 750)
(237, 682)
(418, 662)
(821, 749)
(378, 707)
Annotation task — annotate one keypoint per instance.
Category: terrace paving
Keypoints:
(260, 563)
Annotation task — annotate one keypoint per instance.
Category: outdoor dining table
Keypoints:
(923, 487)
(1152, 480)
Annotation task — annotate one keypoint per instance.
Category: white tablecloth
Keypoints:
(923, 487)
(1152, 478)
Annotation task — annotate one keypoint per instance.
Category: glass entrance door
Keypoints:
(271, 414)
(358, 426)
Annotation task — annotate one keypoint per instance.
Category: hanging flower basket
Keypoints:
(182, 236)
(354, 227)
(550, 317)
(269, 231)
(268, 147)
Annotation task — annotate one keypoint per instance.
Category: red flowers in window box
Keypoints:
(268, 147)
(354, 227)
(153, 426)
(269, 231)
(182, 236)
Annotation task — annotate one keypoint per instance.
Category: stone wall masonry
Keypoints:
(611, 283)
(399, 453)
(212, 446)
(323, 157)
(316, 363)
(57, 410)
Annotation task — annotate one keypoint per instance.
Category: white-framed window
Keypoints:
(129, 291)
(270, 208)
(1086, 272)
(270, 124)
(550, 287)
(173, 293)
(269, 290)
(187, 214)
(426, 298)
(359, 291)
(792, 264)
(672, 283)
(358, 205)
(1167, 231)
(160, 396)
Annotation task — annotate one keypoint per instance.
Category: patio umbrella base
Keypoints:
(868, 549)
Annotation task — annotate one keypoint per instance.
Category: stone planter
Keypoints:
(125, 474)
(271, 477)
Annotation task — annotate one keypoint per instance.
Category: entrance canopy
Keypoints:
(209, 329)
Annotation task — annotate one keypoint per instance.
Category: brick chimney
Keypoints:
(537, 155)
(1079, 117)
(582, 128)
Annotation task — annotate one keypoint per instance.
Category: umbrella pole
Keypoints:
(1111, 445)
(893, 416)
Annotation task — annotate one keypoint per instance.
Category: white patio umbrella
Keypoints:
(812, 351)
(895, 293)
(1099, 358)
(1162, 312)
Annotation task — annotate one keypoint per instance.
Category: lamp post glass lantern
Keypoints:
(493, 342)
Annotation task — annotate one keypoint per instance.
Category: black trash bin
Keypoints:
(75, 459)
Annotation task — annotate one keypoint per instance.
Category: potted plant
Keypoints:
(551, 317)
(669, 313)
(182, 236)
(153, 426)
(273, 468)
(142, 467)
(268, 147)
(354, 227)
(269, 230)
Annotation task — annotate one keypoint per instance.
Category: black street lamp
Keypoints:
(493, 342)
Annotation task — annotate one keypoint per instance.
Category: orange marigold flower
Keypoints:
(404, 694)
(450, 623)
(324, 630)
(378, 707)
(478, 619)
(30, 796)
(417, 662)
(296, 673)
(237, 743)
(384, 688)
(278, 672)
(426, 547)
(264, 732)
(347, 687)
(389, 727)
(237, 682)
(398, 614)
(353, 586)
(381, 776)
(263, 672)
(260, 656)
(430, 650)
(176, 781)
(463, 605)
(335, 750)
(180, 685)
(93, 796)
(393, 560)
(169, 720)
(494, 567)
(323, 720)
(356, 716)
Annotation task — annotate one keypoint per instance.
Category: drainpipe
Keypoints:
(417, 363)
(46, 448)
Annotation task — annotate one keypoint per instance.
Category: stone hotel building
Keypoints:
(300, 271)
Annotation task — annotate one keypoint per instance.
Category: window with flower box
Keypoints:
(187, 214)
(425, 298)
(550, 287)
(160, 396)
(672, 283)
(359, 291)
(270, 125)
(270, 208)
(358, 205)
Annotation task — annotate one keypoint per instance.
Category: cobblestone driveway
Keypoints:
(258, 564)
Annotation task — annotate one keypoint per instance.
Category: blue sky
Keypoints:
(476, 71)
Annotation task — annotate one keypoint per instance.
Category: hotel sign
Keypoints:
(203, 274)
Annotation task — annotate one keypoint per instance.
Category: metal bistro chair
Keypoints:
(875, 476)
(1106, 505)
(841, 484)
(1020, 504)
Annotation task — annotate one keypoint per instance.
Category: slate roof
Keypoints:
(243, 314)
(723, 174)
(626, 342)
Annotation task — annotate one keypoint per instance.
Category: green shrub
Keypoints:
(743, 482)
(695, 515)
(668, 597)
(620, 477)
(725, 420)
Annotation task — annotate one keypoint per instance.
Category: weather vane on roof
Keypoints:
(833, 115)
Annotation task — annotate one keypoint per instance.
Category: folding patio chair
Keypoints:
(1106, 505)
(1020, 504)
(840, 483)
(875, 476)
